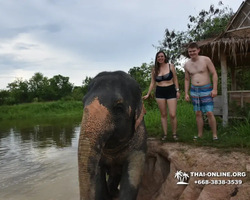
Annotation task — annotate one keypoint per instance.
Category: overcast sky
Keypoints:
(79, 38)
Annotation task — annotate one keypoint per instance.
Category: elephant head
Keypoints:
(113, 135)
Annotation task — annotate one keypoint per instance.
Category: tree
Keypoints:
(36, 85)
(19, 91)
(207, 24)
(85, 84)
(60, 87)
(142, 75)
(4, 96)
(77, 93)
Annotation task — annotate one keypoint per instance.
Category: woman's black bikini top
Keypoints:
(166, 77)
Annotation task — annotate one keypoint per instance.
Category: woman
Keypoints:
(164, 76)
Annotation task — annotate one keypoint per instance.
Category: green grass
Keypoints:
(235, 136)
(185, 117)
(37, 110)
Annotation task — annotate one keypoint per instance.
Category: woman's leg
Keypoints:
(172, 106)
(163, 110)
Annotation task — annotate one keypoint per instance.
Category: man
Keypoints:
(198, 69)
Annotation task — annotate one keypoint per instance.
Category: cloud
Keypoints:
(52, 28)
(79, 38)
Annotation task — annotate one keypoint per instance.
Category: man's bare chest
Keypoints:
(197, 68)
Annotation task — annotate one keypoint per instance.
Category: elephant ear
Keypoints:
(139, 113)
(91, 84)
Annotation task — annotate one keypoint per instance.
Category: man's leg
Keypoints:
(200, 123)
(195, 95)
(212, 123)
(207, 106)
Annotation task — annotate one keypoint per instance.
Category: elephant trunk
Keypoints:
(85, 164)
(95, 129)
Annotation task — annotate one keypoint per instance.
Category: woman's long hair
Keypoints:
(157, 65)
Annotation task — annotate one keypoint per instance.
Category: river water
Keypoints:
(38, 159)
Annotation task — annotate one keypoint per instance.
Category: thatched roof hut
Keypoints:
(230, 49)
(234, 41)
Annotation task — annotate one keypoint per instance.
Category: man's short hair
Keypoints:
(193, 45)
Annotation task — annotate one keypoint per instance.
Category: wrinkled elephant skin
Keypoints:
(112, 142)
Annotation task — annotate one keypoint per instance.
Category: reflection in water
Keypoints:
(35, 151)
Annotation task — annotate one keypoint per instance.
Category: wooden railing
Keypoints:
(241, 97)
(218, 103)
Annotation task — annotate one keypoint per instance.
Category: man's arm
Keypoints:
(212, 70)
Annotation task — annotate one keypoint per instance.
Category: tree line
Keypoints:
(40, 88)
(37, 89)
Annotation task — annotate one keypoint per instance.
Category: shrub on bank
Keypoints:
(48, 109)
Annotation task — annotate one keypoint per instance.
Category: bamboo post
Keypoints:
(223, 63)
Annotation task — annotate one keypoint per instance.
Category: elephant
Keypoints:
(113, 138)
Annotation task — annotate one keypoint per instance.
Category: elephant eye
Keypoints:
(118, 109)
